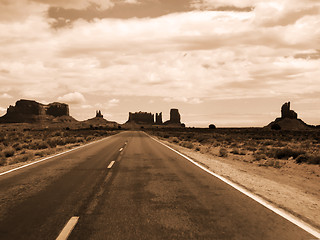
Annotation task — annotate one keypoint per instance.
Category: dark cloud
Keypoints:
(120, 10)
(310, 55)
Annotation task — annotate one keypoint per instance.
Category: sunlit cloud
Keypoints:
(5, 96)
(72, 98)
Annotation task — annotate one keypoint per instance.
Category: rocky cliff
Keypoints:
(175, 117)
(31, 111)
(159, 118)
(141, 118)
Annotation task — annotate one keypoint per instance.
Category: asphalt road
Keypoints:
(129, 186)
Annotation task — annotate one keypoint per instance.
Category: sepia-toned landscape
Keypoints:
(159, 119)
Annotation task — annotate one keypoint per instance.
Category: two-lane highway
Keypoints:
(129, 186)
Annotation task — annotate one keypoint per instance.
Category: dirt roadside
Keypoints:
(293, 187)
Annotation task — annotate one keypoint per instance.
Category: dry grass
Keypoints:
(20, 144)
(260, 146)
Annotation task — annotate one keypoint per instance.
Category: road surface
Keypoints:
(129, 186)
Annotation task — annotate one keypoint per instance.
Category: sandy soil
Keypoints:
(293, 187)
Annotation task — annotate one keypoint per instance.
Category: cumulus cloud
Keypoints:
(203, 54)
(72, 98)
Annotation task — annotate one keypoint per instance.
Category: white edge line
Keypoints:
(64, 234)
(305, 226)
(111, 164)
(47, 158)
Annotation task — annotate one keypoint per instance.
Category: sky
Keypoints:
(225, 62)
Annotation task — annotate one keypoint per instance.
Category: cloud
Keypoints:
(78, 4)
(5, 96)
(132, 1)
(20, 10)
(72, 98)
(183, 99)
(203, 54)
(267, 13)
(113, 102)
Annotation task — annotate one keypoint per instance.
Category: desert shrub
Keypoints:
(285, 153)
(58, 134)
(88, 138)
(308, 158)
(54, 141)
(79, 139)
(259, 156)
(251, 148)
(9, 152)
(38, 144)
(175, 140)
(70, 140)
(223, 152)
(302, 158)
(235, 151)
(267, 142)
(242, 152)
(202, 138)
(17, 146)
(41, 153)
(25, 157)
(268, 163)
(187, 145)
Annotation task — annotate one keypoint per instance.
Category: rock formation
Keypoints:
(141, 118)
(159, 118)
(287, 113)
(32, 111)
(288, 120)
(174, 117)
(138, 118)
(99, 114)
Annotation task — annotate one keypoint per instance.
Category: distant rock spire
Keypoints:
(98, 114)
(287, 113)
(159, 118)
